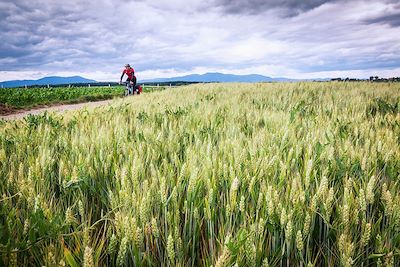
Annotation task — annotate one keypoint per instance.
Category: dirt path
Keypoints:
(59, 108)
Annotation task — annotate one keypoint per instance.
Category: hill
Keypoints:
(219, 77)
(52, 80)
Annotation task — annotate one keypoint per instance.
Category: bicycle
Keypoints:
(130, 90)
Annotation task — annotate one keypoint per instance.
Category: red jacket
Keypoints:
(130, 72)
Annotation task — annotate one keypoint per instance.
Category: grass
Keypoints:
(288, 174)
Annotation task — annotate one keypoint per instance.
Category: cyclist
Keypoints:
(130, 72)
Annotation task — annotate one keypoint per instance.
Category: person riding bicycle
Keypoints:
(130, 72)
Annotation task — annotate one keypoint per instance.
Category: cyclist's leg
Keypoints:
(134, 84)
(126, 89)
(128, 82)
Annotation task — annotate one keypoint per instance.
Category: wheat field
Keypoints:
(268, 174)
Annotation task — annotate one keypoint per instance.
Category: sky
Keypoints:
(168, 38)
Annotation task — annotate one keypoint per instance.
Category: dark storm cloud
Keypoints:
(289, 7)
(389, 19)
(45, 32)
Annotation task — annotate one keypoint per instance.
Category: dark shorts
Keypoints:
(133, 80)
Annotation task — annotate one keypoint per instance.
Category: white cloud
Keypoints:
(360, 74)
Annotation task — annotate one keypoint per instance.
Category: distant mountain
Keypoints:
(52, 80)
(219, 77)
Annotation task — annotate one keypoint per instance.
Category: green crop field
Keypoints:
(19, 98)
(282, 174)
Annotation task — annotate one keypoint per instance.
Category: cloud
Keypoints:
(389, 15)
(389, 19)
(287, 7)
(163, 37)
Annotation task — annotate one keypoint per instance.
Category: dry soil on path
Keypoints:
(58, 108)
